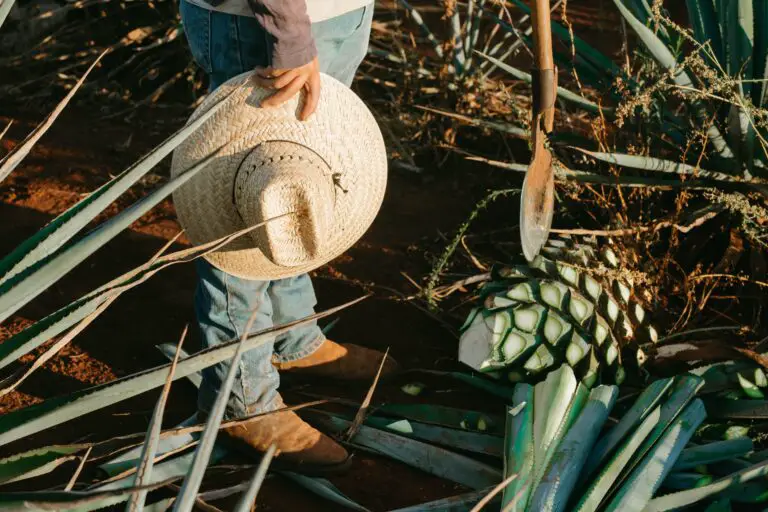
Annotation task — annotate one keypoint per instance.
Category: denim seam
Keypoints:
(243, 372)
(240, 61)
(209, 50)
(306, 351)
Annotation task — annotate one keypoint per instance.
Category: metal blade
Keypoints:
(537, 202)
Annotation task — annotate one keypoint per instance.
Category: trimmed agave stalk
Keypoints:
(565, 306)
(557, 442)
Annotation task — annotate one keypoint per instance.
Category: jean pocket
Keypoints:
(343, 26)
(197, 29)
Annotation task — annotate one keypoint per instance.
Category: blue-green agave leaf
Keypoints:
(10, 161)
(519, 458)
(460, 503)
(562, 92)
(706, 28)
(431, 459)
(60, 230)
(648, 476)
(324, 489)
(249, 496)
(666, 59)
(713, 452)
(5, 8)
(152, 439)
(605, 480)
(647, 163)
(645, 403)
(690, 497)
(36, 462)
(35, 418)
(19, 290)
(571, 454)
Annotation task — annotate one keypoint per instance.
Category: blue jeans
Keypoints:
(225, 46)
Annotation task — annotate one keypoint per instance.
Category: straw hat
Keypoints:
(328, 174)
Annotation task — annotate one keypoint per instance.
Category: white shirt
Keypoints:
(318, 10)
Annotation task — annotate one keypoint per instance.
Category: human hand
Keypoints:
(288, 82)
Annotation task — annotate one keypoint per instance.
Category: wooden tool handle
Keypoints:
(542, 35)
(544, 89)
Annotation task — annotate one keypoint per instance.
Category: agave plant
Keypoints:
(721, 84)
(564, 459)
(574, 303)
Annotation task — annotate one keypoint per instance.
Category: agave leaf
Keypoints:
(648, 476)
(486, 385)
(690, 497)
(601, 486)
(703, 19)
(741, 38)
(597, 58)
(36, 462)
(647, 163)
(168, 350)
(460, 503)
(160, 506)
(645, 403)
(451, 438)
(557, 402)
(683, 391)
(167, 445)
(754, 492)
(666, 59)
(18, 291)
(54, 324)
(428, 458)
(162, 474)
(149, 449)
(188, 494)
(519, 458)
(562, 92)
(10, 161)
(416, 16)
(5, 130)
(681, 481)
(30, 420)
(570, 456)
(249, 497)
(507, 128)
(749, 387)
(5, 8)
(55, 234)
(721, 505)
(446, 416)
(325, 489)
(713, 452)
(737, 409)
(759, 89)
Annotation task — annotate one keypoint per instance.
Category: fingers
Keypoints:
(285, 93)
(287, 83)
(312, 97)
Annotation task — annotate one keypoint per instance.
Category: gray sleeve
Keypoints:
(289, 30)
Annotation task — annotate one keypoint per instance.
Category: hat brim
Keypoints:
(342, 131)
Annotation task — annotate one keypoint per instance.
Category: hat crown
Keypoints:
(288, 188)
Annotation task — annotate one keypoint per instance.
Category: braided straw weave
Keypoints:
(322, 181)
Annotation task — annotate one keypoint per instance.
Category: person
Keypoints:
(287, 44)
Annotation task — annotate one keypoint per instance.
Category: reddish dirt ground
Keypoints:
(79, 154)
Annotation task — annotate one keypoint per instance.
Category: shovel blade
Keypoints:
(537, 203)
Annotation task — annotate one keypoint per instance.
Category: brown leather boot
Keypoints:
(346, 362)
(300, 447)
